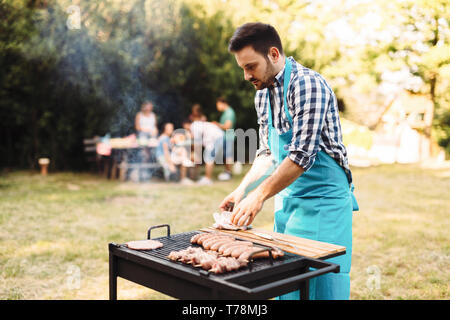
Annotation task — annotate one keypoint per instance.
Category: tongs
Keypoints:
(270, 238)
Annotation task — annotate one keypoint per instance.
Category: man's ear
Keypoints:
(274, 54)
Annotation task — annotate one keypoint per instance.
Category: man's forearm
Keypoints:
(263, 165)
(284, 175)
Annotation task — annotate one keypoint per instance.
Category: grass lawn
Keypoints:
(54, 231)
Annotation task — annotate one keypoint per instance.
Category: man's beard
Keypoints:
(268, 77)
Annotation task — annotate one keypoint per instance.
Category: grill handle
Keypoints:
(321, 267)
(158, 226)
(250, 258)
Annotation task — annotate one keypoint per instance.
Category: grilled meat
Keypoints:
(213, 240)
(144, 244)
(229, 249)
(207, 260)
(276, 253)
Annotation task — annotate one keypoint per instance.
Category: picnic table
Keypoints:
(130, 153)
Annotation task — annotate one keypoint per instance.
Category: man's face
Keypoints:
(221, 106)
(259, 70)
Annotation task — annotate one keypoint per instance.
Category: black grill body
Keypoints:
(261, 279)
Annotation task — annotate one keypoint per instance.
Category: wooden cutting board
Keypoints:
(304, 247)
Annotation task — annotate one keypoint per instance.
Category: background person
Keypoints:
(181, 155)
(197, 113)
(163, 151)
(145, 121)
(146, 127)
(227, 123)
(211, 138)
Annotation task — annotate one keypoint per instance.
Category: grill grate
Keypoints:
(181, 241)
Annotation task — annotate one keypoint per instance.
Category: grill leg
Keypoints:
(304, 290)
(112, 277)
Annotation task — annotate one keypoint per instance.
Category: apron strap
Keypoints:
(354, 202)
(287, 78)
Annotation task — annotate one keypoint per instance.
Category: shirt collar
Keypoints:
(280, 76)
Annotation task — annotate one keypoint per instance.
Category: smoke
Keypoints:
(110, 55)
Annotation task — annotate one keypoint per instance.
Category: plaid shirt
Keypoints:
(315, 117)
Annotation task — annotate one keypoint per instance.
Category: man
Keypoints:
(227, 123)
(211, 137)
(299, 128)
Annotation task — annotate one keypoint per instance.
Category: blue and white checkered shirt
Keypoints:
(315, 117)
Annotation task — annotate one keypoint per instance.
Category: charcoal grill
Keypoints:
(261, 279)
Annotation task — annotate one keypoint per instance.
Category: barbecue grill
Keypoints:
(261, 279)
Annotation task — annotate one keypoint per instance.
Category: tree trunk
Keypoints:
(433, 81)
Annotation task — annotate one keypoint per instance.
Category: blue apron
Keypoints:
(318, 206)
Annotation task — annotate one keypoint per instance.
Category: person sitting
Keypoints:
(163, 151)
(145, 122)
(181, 154)
(211, 137)
(171, 153)
(197, 113)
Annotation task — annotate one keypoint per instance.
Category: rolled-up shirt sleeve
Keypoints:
(263, 131)
(309, 99)
(263, 148)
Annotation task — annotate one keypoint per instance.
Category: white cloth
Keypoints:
(147, 123)
(223, 221)
(206, 132)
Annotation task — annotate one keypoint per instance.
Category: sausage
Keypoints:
(211, 240)
(228, 250)
(233, 244)
(204, 237)
(226, 245)
(206, 244)
(237, 251)
(276, 253)
(246, 253)
(216, 245)
(196, 237)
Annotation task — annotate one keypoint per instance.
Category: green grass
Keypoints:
(54, 231)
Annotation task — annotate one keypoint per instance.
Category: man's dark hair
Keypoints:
(222, 99)
(259, 35)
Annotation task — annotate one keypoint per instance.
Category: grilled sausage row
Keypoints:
(228, 246)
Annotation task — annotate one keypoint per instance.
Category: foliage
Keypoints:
(63, 84)
(60, 84)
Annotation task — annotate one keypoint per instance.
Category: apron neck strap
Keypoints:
(286, 79)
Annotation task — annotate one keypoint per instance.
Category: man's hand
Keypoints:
(232, 200)
(284, 175)
(245, 212)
